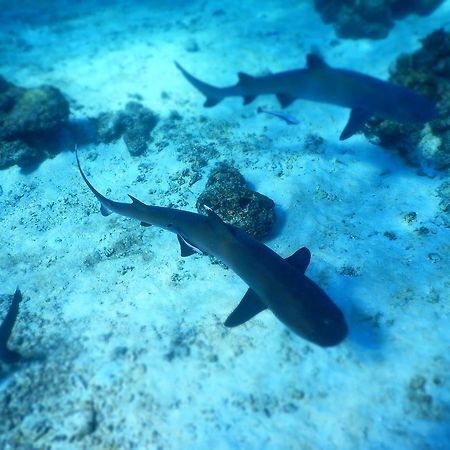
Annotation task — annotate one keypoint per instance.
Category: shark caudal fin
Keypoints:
(104, 210)
(6, 355)
(213, 94)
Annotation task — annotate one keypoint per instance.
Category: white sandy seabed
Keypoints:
(129, 346)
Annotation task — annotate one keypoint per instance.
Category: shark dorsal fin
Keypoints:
(217, 223)
(245, 79)
(300, 259)
(315, 61)
(249, 306)
(135, 201)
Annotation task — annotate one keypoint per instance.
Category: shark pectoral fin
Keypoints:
(249, 99)
(9, 356)
(211, 101)
(300, 259)
(246, 80)
(285, 100)
(105, 211)
(249, 306)
(356, 121)
(186, 248)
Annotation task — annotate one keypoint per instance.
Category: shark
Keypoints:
(6, 355)
(277, 284)
(366, 96)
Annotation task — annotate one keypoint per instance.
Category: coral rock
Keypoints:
(227, 194)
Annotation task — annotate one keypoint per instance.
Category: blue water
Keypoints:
(122, 340)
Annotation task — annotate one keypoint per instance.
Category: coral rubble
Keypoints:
(372, 19)
(427, 71)
(29, 119)
(227, 194)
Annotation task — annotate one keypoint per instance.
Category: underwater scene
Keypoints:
(225, 225)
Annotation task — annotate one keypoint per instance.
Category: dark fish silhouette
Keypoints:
(290, 120)
(275, 283)
(366, 96)
(7, 355)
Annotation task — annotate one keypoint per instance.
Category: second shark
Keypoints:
(366, 96)
(274, 283)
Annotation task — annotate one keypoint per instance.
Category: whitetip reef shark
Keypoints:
(274, 283)
(6, 327)
(366, 96)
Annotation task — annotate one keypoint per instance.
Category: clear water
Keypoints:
(122, 340)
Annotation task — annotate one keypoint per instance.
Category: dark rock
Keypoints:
(17, 152)
(135, 123)
(8, 94)
(443, 192)
(136, 140)
(390, 235)
(32, 110)
(349, 271)
(371, 19)
(410, 217)
(191, 46)
(227, 194)
(31, 123)
(426, 71)
(421, 402)
(109, 127)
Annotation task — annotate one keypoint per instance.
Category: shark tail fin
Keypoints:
(213, 94)
(8, 322)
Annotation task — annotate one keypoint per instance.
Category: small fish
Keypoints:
(290, 120)
(7, 355)
(366, 96)
(275, 283)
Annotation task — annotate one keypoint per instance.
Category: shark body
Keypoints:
(366, 96)
(7, 355)
(274, 283)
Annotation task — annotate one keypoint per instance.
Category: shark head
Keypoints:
(329, 330)
(308, 311)
(411, 107)
(325, 327)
